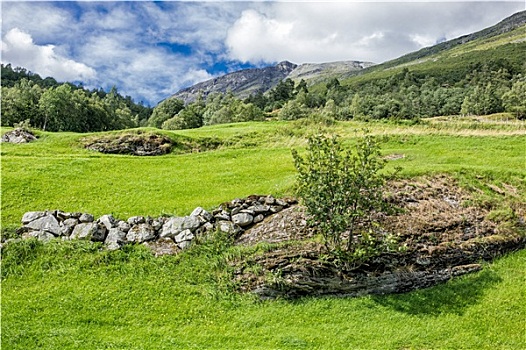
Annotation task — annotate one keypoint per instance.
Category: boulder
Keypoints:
(108, 221)
(85, 218)
(176, 225)
(123, 226)
(42, 235)
(32, 215)
(258, 218)
(67, 226)
(260, 209)
(228, 227)
(185, 235)
(276, 209)
(242, 219)
(85, 230)
(222, 215)
(157, 225)
(18, 135)
(46, 223)
(140, 233)
(136, 220)
(115, 238)
(202, 214)
(115, 235)
(269, 200)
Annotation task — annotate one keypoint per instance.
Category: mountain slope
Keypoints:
(508, 24)
(250, 81)
(241, 83)
(457, 56)
(315, 72)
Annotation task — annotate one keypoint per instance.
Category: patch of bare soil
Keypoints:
(443, 237)
(146, 144)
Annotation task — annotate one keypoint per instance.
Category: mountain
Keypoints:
(241, 83)
(507, 25)
(315, 72)
(250, 81)
(453, 57)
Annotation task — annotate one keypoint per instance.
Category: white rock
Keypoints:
(242, 219)
(108, 221)
(32, 215)
(46, 223)
(185, 235)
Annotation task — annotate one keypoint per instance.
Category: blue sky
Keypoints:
(150, 50)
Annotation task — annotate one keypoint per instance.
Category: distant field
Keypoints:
(73, 295)
(57, 173)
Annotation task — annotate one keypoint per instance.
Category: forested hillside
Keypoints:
(479, 74)
(53, 106)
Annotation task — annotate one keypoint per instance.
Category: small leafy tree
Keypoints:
(342, 193)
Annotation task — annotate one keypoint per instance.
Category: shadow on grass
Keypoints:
(453, 297)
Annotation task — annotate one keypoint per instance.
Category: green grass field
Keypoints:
(73, 295)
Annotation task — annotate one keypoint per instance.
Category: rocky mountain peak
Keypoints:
(286, 66)
(246, 82)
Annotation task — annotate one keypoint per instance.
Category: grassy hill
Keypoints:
(71, 295)
(451, 61)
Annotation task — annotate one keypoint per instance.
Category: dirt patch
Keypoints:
(140, 144)
(394, 156)
(443, 235)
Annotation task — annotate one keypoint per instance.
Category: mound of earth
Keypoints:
(442, 235)
(18, 135)
(146, 144)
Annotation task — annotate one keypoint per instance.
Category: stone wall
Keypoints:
(162, 234)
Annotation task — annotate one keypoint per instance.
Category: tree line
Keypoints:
(49, 105)
(485, 88)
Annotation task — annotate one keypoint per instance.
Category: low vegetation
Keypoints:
(452, 116)
(74, 294)
(343, 196)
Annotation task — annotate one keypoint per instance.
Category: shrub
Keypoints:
(342, 192)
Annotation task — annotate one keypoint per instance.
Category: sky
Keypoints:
(150, 50)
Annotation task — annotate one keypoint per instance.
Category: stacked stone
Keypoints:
(231, 217)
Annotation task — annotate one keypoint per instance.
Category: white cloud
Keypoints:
(331, 31)
(19, 49)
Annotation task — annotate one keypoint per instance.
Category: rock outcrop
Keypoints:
(246, 82)
(133, 144)
(18, 135)
(242, 83)
(440, 234)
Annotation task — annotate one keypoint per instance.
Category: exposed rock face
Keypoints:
(18, 135)
(443, 238)
(241, 83)
(250, 81)
(316, 72)
(133, 144)
(284, 225)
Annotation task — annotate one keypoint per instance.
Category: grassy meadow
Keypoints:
(75, 295)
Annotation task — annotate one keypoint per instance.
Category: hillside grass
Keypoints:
(57, 173)
(454, 62)
(75, 295)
